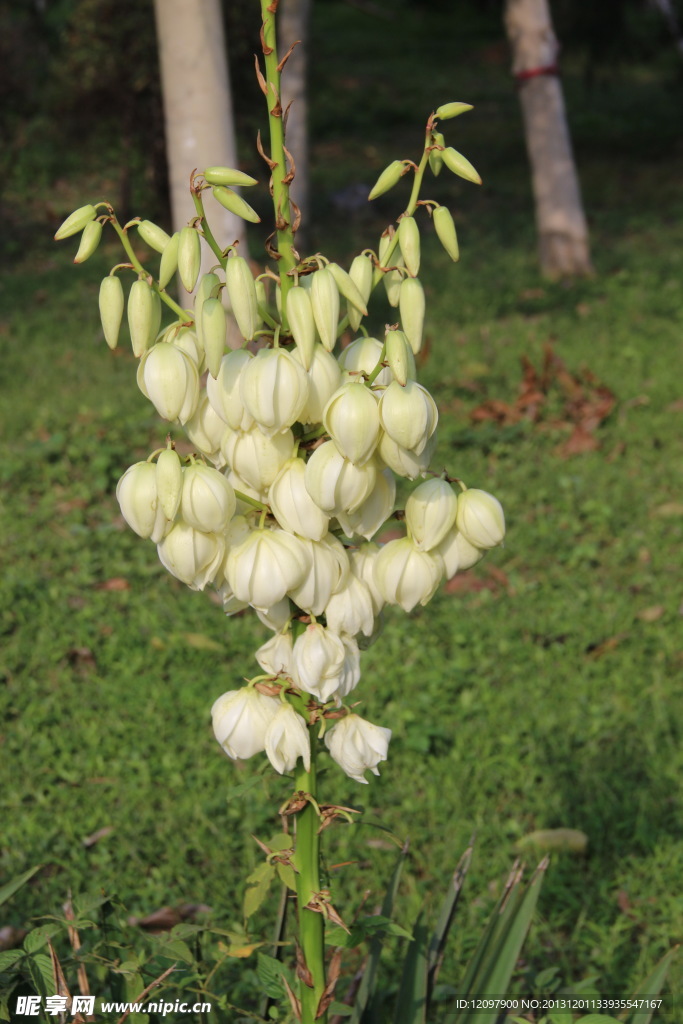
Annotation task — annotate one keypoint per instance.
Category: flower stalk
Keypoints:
(311, 922)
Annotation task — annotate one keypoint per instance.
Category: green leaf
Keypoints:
(9, 888)
(651, 987)
(270, 972)
(176, 949)
(262, 872)
(339, 1010)
(280, 841)
(287, 876)
(8, 957)
(40, 969)
(560, 1017)
(256, 894)
(366, 988)
(497, 954)
(597, 1018)
(446, 915)
(38, 937)
(411, 1002)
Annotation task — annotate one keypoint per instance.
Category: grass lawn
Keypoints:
(543, 691)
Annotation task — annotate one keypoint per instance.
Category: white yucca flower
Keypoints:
(240, 720)
(358, 746)
(406, 576)
(287, 740)
(263, 567)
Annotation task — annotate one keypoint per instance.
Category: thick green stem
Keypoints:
(311, 922)
(281, 203)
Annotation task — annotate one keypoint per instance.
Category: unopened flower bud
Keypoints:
(435, 158)
(287, 740)
(409, 242)
(153, 236)
(348, 288)
(449, 110)
(241, 288)
(111, 303)
(480, 518)
(214, 333)
(460, 165)
(227, 176)
(234, 203)
(325, 303)
(406, 576)
(361, 273)
(90, 239)
(142, 321)
(387, 179)
(169, 482)
(168, 263)
(75, 222)
(411, 304)
(399, 354)
(189, 257)
(430, 513)
(240, 719)
(192, 556)
(301, 323)
(445, 230)
(358, 746)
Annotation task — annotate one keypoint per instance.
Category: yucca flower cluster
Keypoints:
(296, 448)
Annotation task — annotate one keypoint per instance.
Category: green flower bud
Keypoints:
(411, 304)
(153, 236)
(445, 229)
(325, 303)
(213, 333)
(227, 176)
(387, 179)
(189, 257)
(75, 222)
(361, 273)
(448, 110)
(348, 288)
(233, 203)
(435, 155)
(409, 243)
(460, 165)
(90, 239)
(400, 356)
(111, 302)
(239, 282)
(169, 480)
(301, 323)
(142, 317)
(169, 260)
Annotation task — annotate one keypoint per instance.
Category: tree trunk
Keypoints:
(197, 109)
(560, 220)
(293, 21)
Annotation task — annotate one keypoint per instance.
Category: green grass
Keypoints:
(550, 700)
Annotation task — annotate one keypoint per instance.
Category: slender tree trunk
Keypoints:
(197, 107)
(561, 223)
(293, 21)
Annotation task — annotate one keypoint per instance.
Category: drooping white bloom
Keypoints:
(409, 415)
(274, 389)
(205, 430)
(265, 565)
(457, 553)
(430, 513)
(256, 458)
(275, 656)
(207, 501)
(350, 676)
(403, 461)
(277, 616)
(375, 510)
(334, 483)
(324, 377)
(136, 493)
(351, 418)
(231, 605)
(287, 740)
(192, 556)
(329, 569)
(240, 719)
(169, 378)
(350, 609)
(480, 518)
(406, 576)
(318, 661)
(363, 566)
(223, 391)
(361, 357)
(292, 505)
(357, 745)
